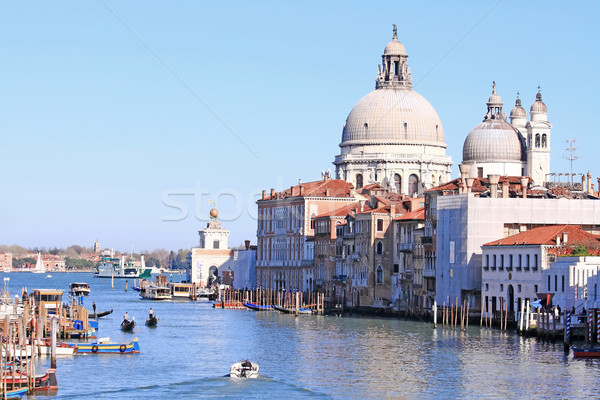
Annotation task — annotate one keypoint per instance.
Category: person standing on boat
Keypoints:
(150, 313)
(94, 307)
(126, 317)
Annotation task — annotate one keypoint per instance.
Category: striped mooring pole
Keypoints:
(597, 326)
(568, 326)
(590, 324)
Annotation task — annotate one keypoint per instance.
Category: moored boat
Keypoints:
(104, 346)
(586, 352)
(14, 394)
(244, 369)
(286, 310)
(257, 307)
(79, 288)
(45, 381)
(43, 347)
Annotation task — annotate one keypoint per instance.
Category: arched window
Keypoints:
(398, 183)
(440, 181)
(359, 181)
(537, 140)
(529, 140)
(544, 140)
(379, 248)
(413, 185)
(379, 275)
(433, 181)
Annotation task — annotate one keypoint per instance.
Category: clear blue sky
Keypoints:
(109, 109)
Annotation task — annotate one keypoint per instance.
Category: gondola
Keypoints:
(285, 310)
(127, 326)
(152, 321)
(100, 314)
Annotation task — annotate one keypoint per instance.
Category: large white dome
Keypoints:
(393, 115)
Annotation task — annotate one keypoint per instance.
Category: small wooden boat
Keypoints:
(46, 381)
(293, 310)
(586, 352)
(127, 326)
(79, 288)
(104, 346)
(152, 321)
(244, 369)
(14, 394)
(100, 314)
(256, 307)
(44, 348)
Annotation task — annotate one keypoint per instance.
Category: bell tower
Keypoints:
(538, 141)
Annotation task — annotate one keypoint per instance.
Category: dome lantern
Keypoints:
(394, 70)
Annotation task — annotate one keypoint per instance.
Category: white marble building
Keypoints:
(393, 136)
(574, 282)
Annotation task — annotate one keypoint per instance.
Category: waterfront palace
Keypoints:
(393, 229)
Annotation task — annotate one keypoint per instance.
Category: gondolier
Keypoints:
(150, 313)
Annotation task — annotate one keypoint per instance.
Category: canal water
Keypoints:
(188, 355)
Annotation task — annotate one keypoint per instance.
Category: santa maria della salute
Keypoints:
(394, 137)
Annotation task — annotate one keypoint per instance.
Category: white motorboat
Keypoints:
(244, 369)
(79, 288)
(156, 293)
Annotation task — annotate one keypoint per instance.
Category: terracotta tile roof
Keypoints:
(341, 212)
(418, 214)
(546, 235)
(481, 185)
(321, 188)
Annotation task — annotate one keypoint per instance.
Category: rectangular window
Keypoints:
(216, 244)
(480, 172)
(548, 282)
(487, 287)
(487, 260)
(528, 262)
(518, 288)
(535, 263)
(520, 261)
(563, 283)
(535, 288)
(510, 260)
(379, 225)
(555, 283)
(502, 287)
(501, 266)
(494, 261)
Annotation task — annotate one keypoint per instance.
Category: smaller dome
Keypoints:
(538, 106)
(518, 111)
(494, 98)
(394, 48)
(494, 141)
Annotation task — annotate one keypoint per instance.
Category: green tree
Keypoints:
(580, 251)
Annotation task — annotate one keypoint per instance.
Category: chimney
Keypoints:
(524, 182)
(264, 194)
(589, 183)
(247, 244)
(558, 240)
(272, 192)
(583, 183)
(464, 174)
(505, 189)
(469, 184)
(493, 178)
(291, 191)
(565, 237)
(392, 210)
(301, 190)
(362, 205)
(327, 192)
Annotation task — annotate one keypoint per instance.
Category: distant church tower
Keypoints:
(538, 142)
(214, 236)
